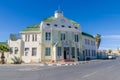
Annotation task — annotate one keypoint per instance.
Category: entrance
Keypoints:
(66, 53)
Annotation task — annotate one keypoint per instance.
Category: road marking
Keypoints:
(88, 75)
(28, 69)
(34, 68)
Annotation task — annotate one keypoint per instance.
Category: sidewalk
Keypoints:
(52, 64)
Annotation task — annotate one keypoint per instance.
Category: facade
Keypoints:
(116, 52)
(89, 46)
(56, 38)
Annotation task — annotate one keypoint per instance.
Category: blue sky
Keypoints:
(95, 16)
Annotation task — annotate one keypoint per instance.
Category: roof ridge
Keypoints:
(87, 34)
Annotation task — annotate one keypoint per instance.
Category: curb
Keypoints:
(53, 64)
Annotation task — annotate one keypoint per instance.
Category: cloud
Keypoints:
(111, 36)
(104, 48)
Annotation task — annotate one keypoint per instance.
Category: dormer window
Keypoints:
(55, 25)
(62, 25)
(76, 27)
(48, 24)
(69, 26)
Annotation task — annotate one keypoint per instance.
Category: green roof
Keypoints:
(88, 35)
(35, 27)
(74, 23)
(49, 19)
(52, 18)
(3, 43)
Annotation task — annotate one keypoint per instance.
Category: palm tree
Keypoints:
(3, 49)
(98, 40)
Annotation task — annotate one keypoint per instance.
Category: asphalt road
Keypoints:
(101, 70)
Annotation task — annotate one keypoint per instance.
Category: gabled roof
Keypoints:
(35, 27)
(88, 35)
(49, 19)
(74, 23)
(52, 18)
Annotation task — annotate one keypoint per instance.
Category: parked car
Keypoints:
(111, 57)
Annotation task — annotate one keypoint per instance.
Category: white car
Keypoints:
(111, 57)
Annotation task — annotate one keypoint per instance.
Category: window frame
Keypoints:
(26, 51)
(59, 51)
(34, 52)
(47, 36)
(63, 36)
(47, 51)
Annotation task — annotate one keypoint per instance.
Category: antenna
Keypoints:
(59, 9)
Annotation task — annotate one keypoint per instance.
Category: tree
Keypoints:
(3, 49)
(109, 51)
(98, 40)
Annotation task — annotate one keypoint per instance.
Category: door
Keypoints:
(66, 53)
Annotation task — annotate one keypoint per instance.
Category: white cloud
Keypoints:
(104, 48)
(111, 36)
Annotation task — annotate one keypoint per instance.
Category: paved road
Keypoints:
(102, 70)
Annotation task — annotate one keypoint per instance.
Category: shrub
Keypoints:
(16, 60)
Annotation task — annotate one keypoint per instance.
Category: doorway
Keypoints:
(66, 53)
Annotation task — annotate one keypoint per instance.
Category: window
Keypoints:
(16, 50)
(85, 41)
(47, 51)
(34, 51)
(11, 50)
(55, 25)
(69, 26)
(48, 35)
(62, 36)
(48, 24)
(93, 43)
(27, 37)
(89, 52)
(86, 52)
(62, 25)
(78, 52)
(34, 37)
(76, 38)
(26, 51)
(59, 51)
(88, 42)
(94, 53)
(73, 52)
(76, 27)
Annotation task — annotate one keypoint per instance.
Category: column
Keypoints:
(54, 53)
(62, 51)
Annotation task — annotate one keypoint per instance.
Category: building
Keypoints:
(116, 52)
(56, 38)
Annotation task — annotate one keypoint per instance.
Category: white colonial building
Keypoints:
(56, 38)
